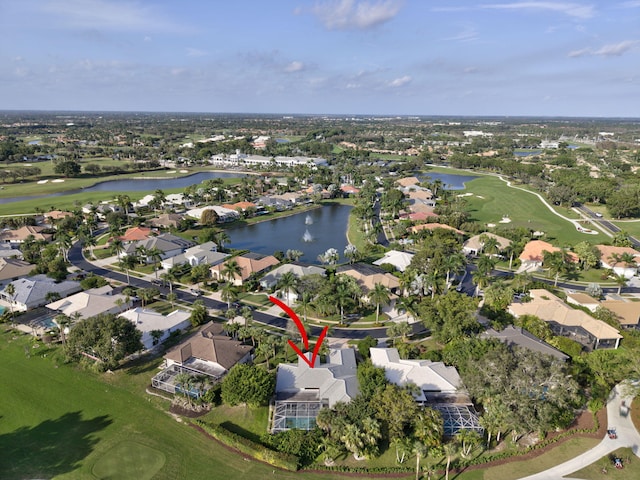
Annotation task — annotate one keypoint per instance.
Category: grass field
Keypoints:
(492, 200)
(631, 470)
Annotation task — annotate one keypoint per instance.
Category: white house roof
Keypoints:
(429, 376)
(200, 254)
(148, 320)
(32, 291)
(334, 381)
(222, 212)
(272, 278)
(400, 260)
(89, 303)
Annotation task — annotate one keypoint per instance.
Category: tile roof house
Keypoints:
(13, 268)
(610, 258)
(368, 275)
(533, 254)
(433, 226)
(249, 263)
(408, 181)
(31, 292)
(474, 245)
(400, 260)
(224, 214)
(439, 387)
(301, 391)
(583, 300)
(568, 321)
(627, 313)
(21, 234)
(135, 234)
(90, 303)
(516, 336)
(146, 321)
(349, 190)
(165, 220)
(242, 206)
(205, 253)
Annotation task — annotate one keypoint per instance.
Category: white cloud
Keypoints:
(610, 50)
(575, 10)
(294, 67)
(107, 15)
(196, 52)
(467, 35)
(400, 81)
(354, 14)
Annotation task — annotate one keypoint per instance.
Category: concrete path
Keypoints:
(628, 436)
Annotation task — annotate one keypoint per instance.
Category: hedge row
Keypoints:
(370, 470)
(500, 456)
(249, 447)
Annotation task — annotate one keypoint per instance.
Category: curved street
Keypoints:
(77, 259)
(628, 436)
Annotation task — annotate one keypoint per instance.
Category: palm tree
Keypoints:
(429, 427)
(221, 237)
(231, 270)
(619, 280)
(155, 254)
(352, 439)
(185, 382)
(399, 329)
(468, 440)
(421, 451)
(450, 450)
(491, 245)
(287, 282)
(168, 277)
(247, 314)
(379, 295)
(172, 297)
(453, 264)
(62, 321)
(304, 300)
(228, 293)
(556, 262)
(123, 201)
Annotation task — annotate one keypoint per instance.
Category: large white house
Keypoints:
(146, 321)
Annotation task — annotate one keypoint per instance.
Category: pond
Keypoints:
(449, 181)
(311, 232)
(135, 185)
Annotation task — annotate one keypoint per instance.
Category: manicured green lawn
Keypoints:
(492, 200)
(631, 470)
(60, 421)
(129, 460)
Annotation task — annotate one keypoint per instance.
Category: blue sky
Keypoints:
(389, 57)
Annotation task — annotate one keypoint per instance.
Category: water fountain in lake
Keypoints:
(307, 237)
(308, 220)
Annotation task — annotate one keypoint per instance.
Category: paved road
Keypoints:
(77, 259)
(628, 436)
(605, 223)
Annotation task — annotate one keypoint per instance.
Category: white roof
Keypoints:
(148, 320)
(335, 381)
(221, 211)
(427, 375)
(90, 303)
(400, 260)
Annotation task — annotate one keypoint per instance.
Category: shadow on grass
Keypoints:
(51, 448)
(232, 427)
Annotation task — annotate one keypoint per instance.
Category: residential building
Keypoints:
(368, 276)
(567, 321)
(205, 253)
(438, 386)
(519, 337)
(169, 245)
(207, 352)
(271, 279)
(532, 255)
(250, 263)
(32, 292)
(583, 300)
(400, 260)
(627, 313)
(21, 234)
(91, 302)
(12, 269)
(135, 234)
(8, 251)
(610, 257)
(148, 321)
(301, 391)
(165, 220)
(433, 226)
(475, 245)
(224, 214)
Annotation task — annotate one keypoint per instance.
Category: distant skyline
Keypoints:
(389, 57)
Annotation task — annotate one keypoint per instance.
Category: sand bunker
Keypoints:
(464, 194)
(40, 182)
(491, 225)
(57, 180)
(184, 171)
(505, 220)
(171, 171)
(480, 196)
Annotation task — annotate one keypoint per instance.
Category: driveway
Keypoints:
(628, 436)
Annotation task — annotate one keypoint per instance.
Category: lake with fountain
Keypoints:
(311, 232)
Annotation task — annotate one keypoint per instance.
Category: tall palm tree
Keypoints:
(450, 450)
(169, 277)
(231, 270)
(228, 293)
(287, 282)
(185, 383)
(453, 264)
(556, 262)
(421, 451)
(619, 280)
(117, 247)
(380, 296)
(155, 254)
(352, 439)
(491, 246)
(221, 238)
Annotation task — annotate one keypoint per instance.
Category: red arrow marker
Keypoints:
(303, 334)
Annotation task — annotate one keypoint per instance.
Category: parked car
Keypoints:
(196, 292)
